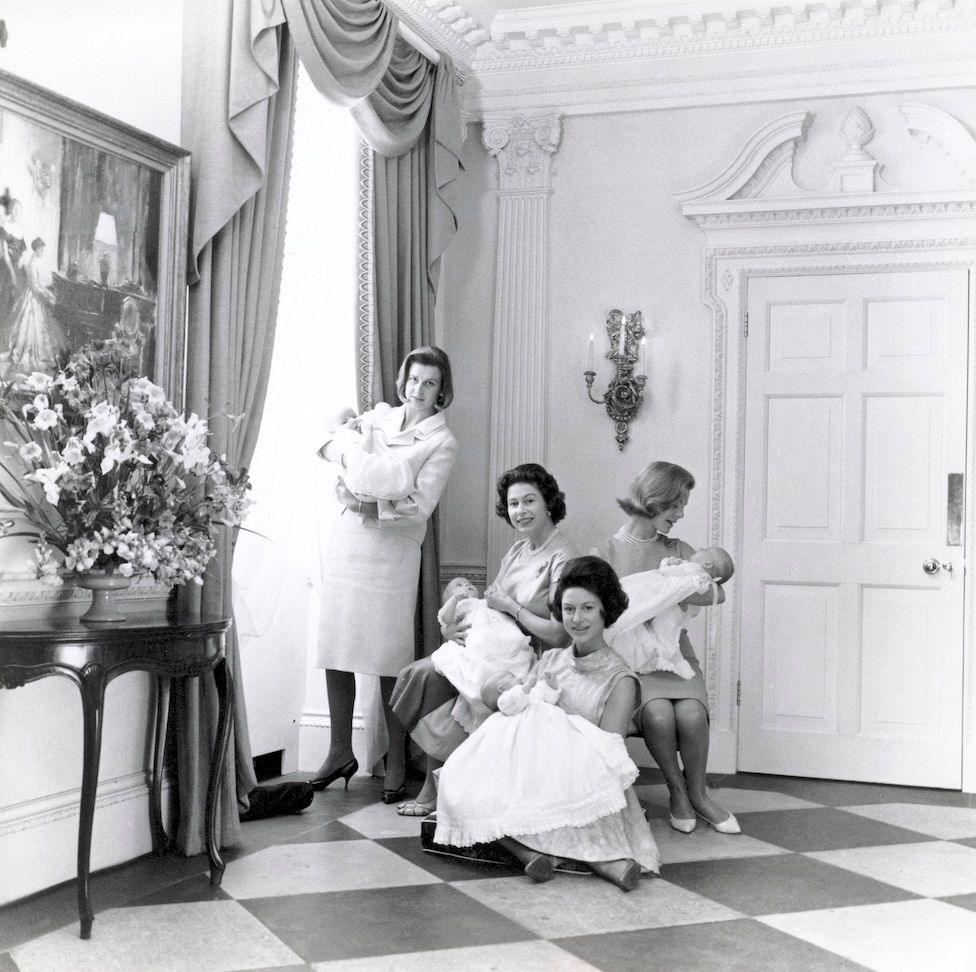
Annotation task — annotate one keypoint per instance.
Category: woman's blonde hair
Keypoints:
(657, 487)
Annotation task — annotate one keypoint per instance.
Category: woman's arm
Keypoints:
(620, 707)
(547, 630)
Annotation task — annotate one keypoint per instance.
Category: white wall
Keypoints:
(123, 58)
(619, 240)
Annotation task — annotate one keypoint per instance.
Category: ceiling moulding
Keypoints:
(554, 35)
(444, 25)
(758, 188)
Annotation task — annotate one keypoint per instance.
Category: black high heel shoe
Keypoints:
(321, 782)
(395, 796)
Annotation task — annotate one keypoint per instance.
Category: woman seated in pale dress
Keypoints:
(559, 787)
(673, 717)
(423, 700)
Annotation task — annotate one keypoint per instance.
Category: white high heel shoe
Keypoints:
(684, 825)
(727, 826)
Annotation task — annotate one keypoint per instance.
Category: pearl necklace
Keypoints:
(630, 538)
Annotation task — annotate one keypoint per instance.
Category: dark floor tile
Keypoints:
(967, 901)
(111, 888)
(779, 884)
(354, 924)
(195, 888)
(323, 833)
(720, 946)
(966, 841)
(7, 964)
(445, 867)
(823, 829)
(840, 793)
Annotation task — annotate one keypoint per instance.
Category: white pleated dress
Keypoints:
(371, 567)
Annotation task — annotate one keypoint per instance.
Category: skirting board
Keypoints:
(39, 838)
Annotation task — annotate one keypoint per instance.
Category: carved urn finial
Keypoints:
(856, 131)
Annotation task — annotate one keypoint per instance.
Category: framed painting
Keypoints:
(93, 236)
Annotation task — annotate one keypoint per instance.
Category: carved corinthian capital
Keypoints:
(524, 148)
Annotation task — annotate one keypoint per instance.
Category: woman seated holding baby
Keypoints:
(427, 702)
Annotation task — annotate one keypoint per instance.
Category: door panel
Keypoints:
(851, 655)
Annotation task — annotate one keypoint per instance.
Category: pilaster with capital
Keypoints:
(524, 147)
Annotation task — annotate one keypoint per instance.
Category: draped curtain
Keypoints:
(237, 122)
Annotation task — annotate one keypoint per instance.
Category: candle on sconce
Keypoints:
(589, 359)
(643, 354)
(622, 344)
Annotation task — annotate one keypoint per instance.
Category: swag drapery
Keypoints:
(238, 98)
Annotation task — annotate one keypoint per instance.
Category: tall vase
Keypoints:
(104, 585)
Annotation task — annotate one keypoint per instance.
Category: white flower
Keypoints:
(30, 452)
(66, 382)
(46, 418)
(48, 479)
(40, 402)
(125, 569)
(73, 451)
(38, 381)
(102, 418)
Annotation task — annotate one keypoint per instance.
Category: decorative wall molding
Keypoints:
(945, 137)
(572, 34)
(758, 188)
(523, 147)
(444, 25)
(59, 806)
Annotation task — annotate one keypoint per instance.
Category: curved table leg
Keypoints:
(92, 685)
(160, 722)
(225, 697)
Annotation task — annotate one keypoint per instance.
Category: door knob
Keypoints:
(933, 566)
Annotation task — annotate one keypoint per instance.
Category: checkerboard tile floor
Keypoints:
(826, 876)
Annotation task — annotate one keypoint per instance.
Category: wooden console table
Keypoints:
(91, 655)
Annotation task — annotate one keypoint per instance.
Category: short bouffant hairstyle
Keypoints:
(435, 358)
(535, 475)
(597, 577)
(656, 488)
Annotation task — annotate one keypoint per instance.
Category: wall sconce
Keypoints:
(625, 392)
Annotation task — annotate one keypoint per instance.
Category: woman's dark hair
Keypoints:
(597, 577)
(435, 358)
(656, 488)
(37, 243)
(535, 475)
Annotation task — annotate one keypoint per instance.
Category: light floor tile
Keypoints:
(209, 936)
(704, 844)
(736, 801)
(342, 865)
(933, 869)
(904, 936)
(515, 957)
(587, 905)
(947, 823)
(380, 820)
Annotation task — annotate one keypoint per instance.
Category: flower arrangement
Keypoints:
(111, 475)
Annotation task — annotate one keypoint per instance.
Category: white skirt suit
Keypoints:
(371, 567)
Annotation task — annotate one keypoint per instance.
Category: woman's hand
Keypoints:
(456, 630)
(497, 599)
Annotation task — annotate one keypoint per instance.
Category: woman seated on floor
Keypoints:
(557, 783)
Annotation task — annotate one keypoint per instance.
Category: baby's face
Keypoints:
(715, 560)
(462, 586)
(494, 687)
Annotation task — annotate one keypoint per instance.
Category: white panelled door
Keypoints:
(851, 653)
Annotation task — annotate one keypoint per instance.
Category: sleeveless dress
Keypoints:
(632, 558)
(530, 765)
(585, 685)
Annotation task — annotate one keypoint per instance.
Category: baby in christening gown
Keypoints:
(371, 475)
(647, 635)
(495, 644)
(530, 767)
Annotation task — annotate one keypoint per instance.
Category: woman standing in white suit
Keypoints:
(371, 569)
